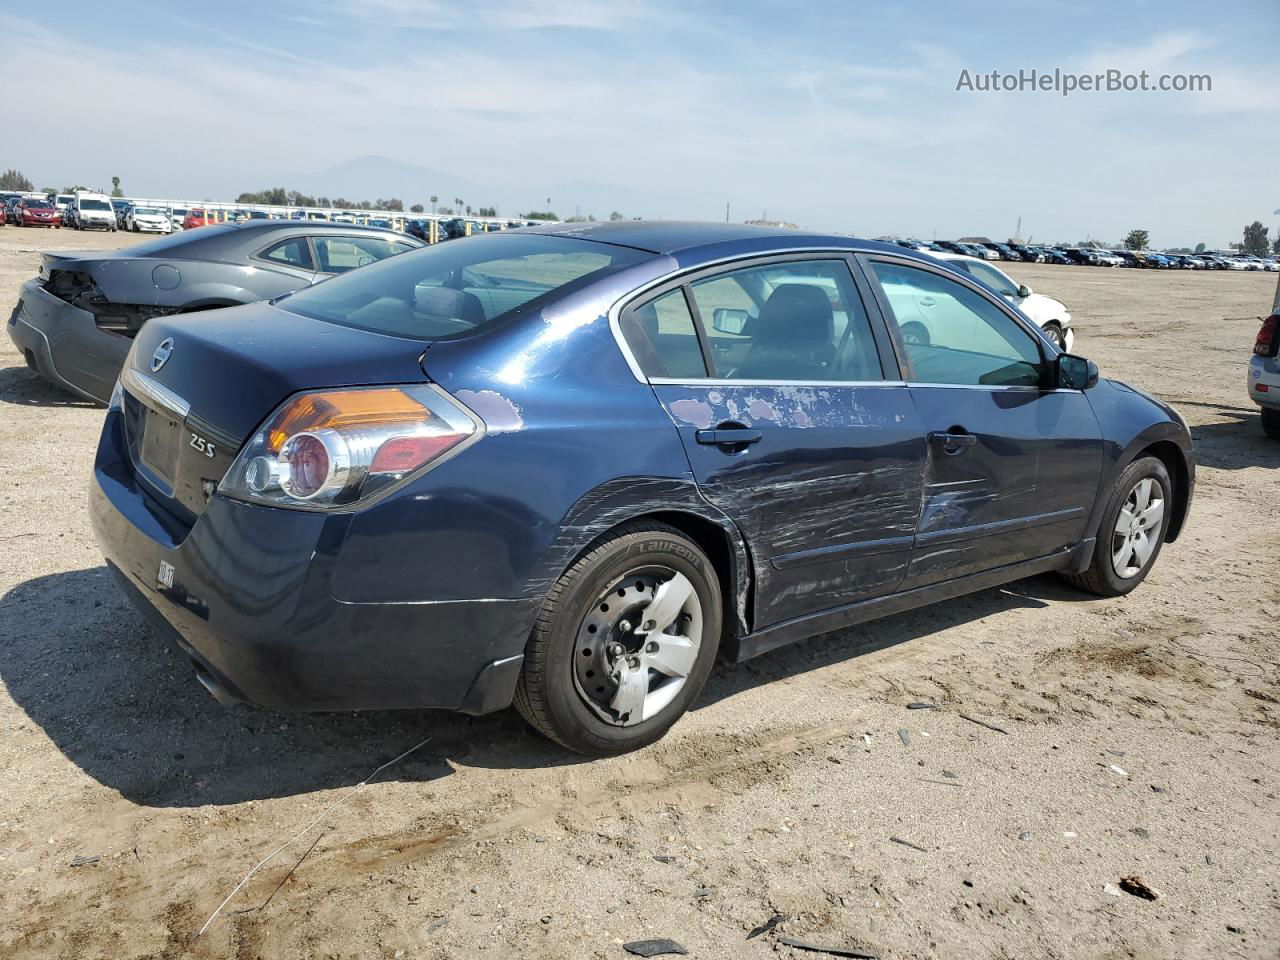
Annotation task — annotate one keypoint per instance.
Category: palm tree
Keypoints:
(433, 203)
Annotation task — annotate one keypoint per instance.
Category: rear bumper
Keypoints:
(246, 593)
(65, 345)
(1264, 381)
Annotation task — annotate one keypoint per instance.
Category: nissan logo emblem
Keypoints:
(162, 354)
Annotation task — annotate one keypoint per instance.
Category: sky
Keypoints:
(837, 116)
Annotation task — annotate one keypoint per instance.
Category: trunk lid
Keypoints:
(222, 373)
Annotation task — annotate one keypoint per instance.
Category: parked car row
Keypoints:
(1095, 256)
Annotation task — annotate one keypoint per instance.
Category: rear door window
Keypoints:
(792, 321)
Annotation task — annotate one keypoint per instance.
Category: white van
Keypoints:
(91, 210)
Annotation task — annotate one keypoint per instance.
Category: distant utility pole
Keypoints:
(1275, 305)
(726, 211)
(1018, 233)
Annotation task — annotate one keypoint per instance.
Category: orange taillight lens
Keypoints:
(340, 409)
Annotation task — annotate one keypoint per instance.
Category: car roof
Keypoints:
(676, 236)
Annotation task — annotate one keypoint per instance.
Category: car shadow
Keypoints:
(24, 387)
(1235, 442)
(123, 704)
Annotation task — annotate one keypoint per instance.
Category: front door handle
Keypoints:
(731, 437)
(953, 443)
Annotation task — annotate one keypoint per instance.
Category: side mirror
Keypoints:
(1074, 373)
(729, 320)
(1024, 290)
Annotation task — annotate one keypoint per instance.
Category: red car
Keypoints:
(195, 218)
(36, 213)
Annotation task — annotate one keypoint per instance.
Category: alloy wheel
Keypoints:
(1138, 528)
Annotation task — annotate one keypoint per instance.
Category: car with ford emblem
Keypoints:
(569, 467)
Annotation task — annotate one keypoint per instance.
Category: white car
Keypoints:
(90, 210)
(148, 220)
(1106, 256)
(1049, 314)
(1264, 375)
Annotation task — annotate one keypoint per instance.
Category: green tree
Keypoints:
(76, 189)
(1255, 239)
(539, 215)
(487, 212)
(434, 201)
(416, 208)
(1200, 248)
(616, 216)
(48, 189)
(13, 180)
(1136, 240)
(115, 187)
(1275, 247)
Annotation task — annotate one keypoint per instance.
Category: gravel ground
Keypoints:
(1140, 739)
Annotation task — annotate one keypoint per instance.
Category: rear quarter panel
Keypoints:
(574, 445)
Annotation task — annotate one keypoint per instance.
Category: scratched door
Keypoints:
(792, 428)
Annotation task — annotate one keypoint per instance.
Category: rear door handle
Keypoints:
(953, 443)
(739, 437)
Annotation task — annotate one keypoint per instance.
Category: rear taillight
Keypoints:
(1268, 338)
(330, 449)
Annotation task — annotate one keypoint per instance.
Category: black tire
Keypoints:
(1054, 332)
(1271, 423)
(546, 695)
(1101, 577)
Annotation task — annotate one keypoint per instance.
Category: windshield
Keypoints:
(150, 211)
(457, 288)
(94, 205)
(37, 204)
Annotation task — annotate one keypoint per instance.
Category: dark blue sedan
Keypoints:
(566, 466)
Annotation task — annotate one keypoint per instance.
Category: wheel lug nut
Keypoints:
(633, 662)
(647, 626)
(652, 647)
(624, 626)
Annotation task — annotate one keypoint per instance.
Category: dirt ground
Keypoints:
(1141, 738)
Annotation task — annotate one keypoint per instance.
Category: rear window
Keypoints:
(94, 205)
(456, 288)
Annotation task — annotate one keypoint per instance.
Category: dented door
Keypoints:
(828, 495)
(1019, 488)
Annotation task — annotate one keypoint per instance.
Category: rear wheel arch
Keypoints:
(723, 545)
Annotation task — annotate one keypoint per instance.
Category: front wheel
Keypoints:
(1055, 335)
(1131, 531)
(624, 642)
